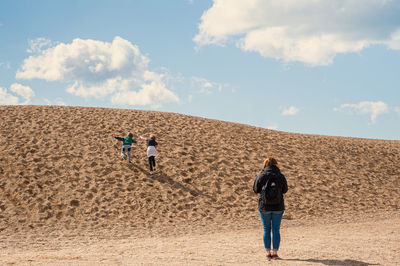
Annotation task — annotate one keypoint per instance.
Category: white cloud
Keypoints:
(39, 44)
(6, 65)
(23, 91)
(372, 108)
(98, 69)
(205, 86)
(150, 91)
(6, 98)
(57, 101)
(397, 110)
(291, 110)
(307, 31)
(273, 127)
(395, 40)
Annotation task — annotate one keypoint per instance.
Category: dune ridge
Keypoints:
(60, 171)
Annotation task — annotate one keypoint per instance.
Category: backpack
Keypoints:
(271, 192)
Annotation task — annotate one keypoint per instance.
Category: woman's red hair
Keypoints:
(270, 161)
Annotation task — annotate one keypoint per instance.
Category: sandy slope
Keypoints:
(61, 175)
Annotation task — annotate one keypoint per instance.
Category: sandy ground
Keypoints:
(67, 197)
(355, 243)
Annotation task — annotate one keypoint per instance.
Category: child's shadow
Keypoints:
(165, 179)
(345, 262)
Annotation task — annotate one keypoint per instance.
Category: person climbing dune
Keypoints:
(152, 151)
(126, 145)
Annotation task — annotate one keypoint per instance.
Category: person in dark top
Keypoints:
(271, 214)
(152, 151)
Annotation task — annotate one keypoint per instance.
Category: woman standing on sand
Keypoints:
(271, 184)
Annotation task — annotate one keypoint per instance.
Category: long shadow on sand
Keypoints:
(164, 178)
(346, 262)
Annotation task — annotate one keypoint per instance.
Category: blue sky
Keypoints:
(317, 67)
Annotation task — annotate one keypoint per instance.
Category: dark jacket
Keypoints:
(151, 142)
(261, 180)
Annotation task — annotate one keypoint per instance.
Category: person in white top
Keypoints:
(152, 151)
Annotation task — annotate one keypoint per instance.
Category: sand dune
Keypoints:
(61, 174)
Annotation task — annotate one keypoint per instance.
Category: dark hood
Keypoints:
(272, 168)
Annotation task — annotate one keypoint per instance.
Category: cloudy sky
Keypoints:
(327, 67)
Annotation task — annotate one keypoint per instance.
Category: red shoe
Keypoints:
(269, 256)
(275, 257)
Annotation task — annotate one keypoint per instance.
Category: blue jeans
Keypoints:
(273, 218)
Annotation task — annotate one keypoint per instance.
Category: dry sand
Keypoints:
(66, 197)
(354, 243)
